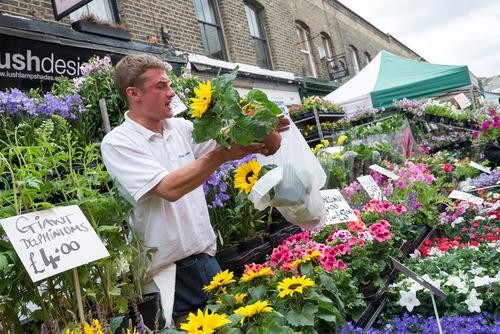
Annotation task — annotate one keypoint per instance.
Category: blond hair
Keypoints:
(129, 70)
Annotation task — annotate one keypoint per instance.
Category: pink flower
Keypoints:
(400, 184)
(448, 168)
(400, 209)
(475, 134)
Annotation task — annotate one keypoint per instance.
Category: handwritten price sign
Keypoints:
(371, 187)
(337, 209)
(52, 241)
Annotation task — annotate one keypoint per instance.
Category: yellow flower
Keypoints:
(290, 286)
(251, 310)
(132, 332)
(203, 98)
(220, 281)
(204, 323)
(251, 275)
(309, 257)
(240, 298)
(341, 140)
(246, 175)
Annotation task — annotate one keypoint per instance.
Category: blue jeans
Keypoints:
(192, 274)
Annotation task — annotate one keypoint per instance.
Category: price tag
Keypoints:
(371, 187)
(462, 100)
(333, 149)
(52, 241)
(466, 197)
(480, 167)
(384, 171)
(177, 105)
(337, 209)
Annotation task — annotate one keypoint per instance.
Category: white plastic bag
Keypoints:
(295, 183)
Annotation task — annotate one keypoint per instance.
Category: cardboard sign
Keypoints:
(52, 241)
(480, 167)
(337, 209)
(462, 100)
(466, 197)
(177, 105)
(384, 171)
(371, 187)
(409, 273)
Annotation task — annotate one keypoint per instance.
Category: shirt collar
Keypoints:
(145, 132)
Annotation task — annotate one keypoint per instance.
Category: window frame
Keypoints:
(113, 7)
(327, 45)
(355, 59)
(301, 28)
(218, 25)
(257, 11)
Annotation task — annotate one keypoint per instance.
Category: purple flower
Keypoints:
(17, 103)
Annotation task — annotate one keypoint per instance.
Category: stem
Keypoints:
(105, 287)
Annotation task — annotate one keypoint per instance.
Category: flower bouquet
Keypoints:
(219, 113)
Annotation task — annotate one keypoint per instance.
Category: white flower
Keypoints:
(479, 218)
(456, 282)
(457, 221)
(416, 254)
(434, 251)
(473, 303)
(409, 299)
(435, 283)
(481, 281)
(477, 271)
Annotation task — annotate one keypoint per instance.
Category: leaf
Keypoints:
(257, 293)
(330, 318)
(227, 299)
(4, 264)
(247, 130)
(305, 318)
(206, 128)
(328, 283)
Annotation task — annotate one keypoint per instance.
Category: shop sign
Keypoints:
(27, 63)
(64, 7)
(339, 74)
(51, 241)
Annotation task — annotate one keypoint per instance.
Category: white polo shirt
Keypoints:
(138, 159)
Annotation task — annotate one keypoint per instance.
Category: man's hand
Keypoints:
(283, 123)
(238, 151)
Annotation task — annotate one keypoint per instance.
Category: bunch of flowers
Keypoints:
(469, 276)
(361, 113)
(321, 105)
(17, 103)
(490, 126)
(95, 67)
(216, 103)
(413, 107)
(482, 323)
(485, 180)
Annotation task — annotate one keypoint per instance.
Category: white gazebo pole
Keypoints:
(471, 90)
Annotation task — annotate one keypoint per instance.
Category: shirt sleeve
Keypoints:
(201, 148)
(133, 167)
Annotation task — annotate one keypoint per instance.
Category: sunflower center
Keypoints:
(200, 328)
(249, 175)
(294, 286)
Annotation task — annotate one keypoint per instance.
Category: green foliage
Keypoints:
(249, 118)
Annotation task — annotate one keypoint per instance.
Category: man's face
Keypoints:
(156, 94)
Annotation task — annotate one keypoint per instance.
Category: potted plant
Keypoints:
(93, 25)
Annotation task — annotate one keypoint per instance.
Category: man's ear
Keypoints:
(133, 94)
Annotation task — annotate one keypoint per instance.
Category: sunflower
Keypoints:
(290, 286)
(203, 98)
(251, 275)
(204, 323)
(309, 257)
(246, 175)
(220, 281)
(240, 298)
(251, 310)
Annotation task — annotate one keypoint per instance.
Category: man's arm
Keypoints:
(184, 180)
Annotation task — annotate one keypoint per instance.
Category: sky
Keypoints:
(451, 32)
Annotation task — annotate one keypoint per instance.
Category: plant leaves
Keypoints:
(206, 128)
(304, 318)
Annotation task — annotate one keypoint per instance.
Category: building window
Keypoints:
(305, 48)
(355, 60)
(258, 34)
(104, 10)
(368, 58)
(211, 31)
(327, 45)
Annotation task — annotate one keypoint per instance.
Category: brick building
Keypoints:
(283, 46)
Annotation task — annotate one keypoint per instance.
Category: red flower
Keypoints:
(448, 168)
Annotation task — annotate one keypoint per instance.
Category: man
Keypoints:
(160, 169)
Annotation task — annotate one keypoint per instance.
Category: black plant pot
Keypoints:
(101, 29)
(370, 292)
(229, 253)
(252, 243)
